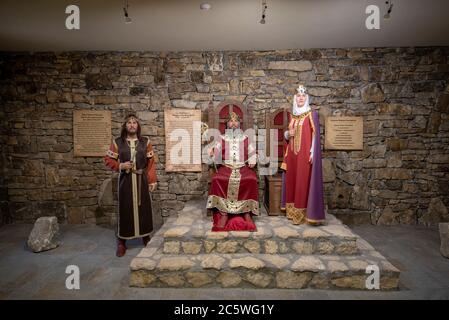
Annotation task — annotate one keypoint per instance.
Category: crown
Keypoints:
(301, 89)
(233, 116)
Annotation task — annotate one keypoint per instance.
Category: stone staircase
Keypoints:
(185, 253)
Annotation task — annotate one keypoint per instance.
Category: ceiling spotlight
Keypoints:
(205, 6)
(264, 9)
(125, 11)
(389, 4)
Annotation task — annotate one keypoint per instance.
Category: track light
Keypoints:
(264, 9)
(389, 4)
(125, 11)
(205, 6)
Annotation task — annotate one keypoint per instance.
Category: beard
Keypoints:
(234, 132)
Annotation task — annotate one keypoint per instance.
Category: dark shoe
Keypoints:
(145, 240)
(121, 248)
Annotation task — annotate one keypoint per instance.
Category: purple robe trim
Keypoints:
(315, 201)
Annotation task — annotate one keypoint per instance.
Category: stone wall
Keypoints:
(401, 176)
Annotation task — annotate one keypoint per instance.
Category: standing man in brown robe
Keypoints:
(132, 155)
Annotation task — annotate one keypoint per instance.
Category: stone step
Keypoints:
(152, 268)
(190, 234)
(184, 253)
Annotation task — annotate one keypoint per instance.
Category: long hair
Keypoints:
(124, 132)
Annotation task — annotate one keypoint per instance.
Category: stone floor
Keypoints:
(26, 275)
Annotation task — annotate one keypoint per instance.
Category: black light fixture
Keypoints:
(264, 10)
(125, 11)
(389, 4)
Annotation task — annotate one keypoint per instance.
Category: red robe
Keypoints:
(234, 187)
(298, 167)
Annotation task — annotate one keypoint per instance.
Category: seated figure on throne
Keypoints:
(233, 195)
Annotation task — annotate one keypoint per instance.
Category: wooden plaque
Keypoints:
(344, 133)
(91, 133)
(182, 140)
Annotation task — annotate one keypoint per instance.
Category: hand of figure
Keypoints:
(126, 165)
(311, 158)
(211, 152)
(152, 187)
(251, 165)
(291, 133)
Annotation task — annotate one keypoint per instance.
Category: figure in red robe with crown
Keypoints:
(302, 186)
(234, 192)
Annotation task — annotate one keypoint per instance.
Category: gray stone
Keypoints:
(142, 264)
(325, 247)
(198, 279)
(337, 266)
(271, 247)
(352, 282)
(252, 246)
(277, 260)
(328, 171)
(290, 65)
(259, 279)
(172, 280)
(285, 232)
(302, 247)
(229, 246)
(106, 197)
(141, 278)
(185, 104)
(437, 212)
(175, 264)
(388, 217)
(247, 263)
(45, 234)
(308, 263)
(320, 92)
(292, 280)
(191, 247)
(444, 238)
(372, 93)
(98, 81)
(212, 262)
(229, 279)
(171, 247)
(209, 246)
(176, 232)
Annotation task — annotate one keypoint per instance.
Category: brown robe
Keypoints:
(135, 212)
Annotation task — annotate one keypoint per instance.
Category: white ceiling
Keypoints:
(180, 25)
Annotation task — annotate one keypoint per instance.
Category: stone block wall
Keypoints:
(401, 176)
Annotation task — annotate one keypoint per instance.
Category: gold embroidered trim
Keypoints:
(298, 215)
(314, 222)
(234, 185)
(311, 122)
(112, 154)
(133, 145)
(284, 166)
(233, 207)
(296, 124)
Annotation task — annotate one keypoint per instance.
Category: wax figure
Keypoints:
(132, 155)
(234, 192)
(302, 185)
